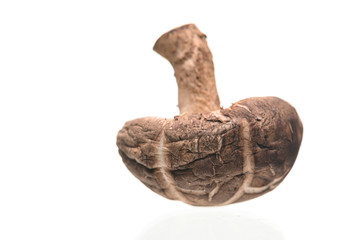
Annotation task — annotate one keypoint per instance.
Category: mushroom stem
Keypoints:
(187, 50)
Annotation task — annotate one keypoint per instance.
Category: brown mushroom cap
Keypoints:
(210, 156)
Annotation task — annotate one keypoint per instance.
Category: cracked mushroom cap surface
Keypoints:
(222, 157)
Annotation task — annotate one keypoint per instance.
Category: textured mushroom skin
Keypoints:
(218, 158)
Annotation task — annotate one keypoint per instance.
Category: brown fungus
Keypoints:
(210, 156)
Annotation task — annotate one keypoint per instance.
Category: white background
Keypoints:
(73, 72)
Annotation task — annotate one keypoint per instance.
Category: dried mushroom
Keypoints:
(210, 156)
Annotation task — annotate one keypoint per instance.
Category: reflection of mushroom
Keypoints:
(209, 155)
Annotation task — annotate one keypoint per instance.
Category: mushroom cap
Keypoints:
(215, 158)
